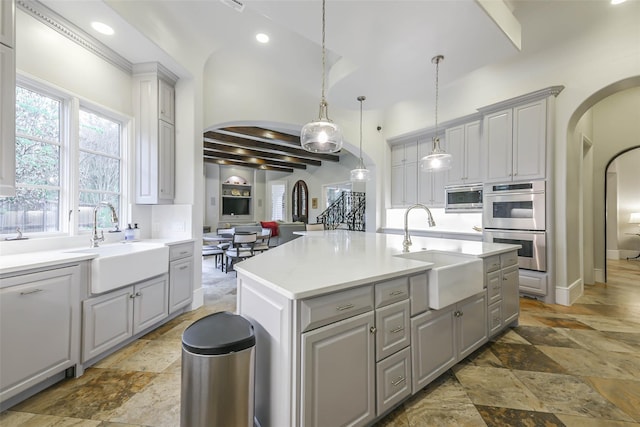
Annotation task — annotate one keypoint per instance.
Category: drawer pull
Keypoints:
(132, 296)
(458, 313)
(395, 293)
(33, 291)
(184, 267)
(184, 252)
(398, 381)
(345, 307)
(396, 330)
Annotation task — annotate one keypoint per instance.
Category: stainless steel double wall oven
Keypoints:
(515, 213)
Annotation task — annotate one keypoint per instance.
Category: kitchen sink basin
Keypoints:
(452, 278)
(121, 264)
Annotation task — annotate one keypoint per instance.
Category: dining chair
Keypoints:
(262, 241)
(241, 248)
(214, 251)
(225, 232)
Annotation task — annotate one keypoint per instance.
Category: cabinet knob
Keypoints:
(373, 329)
(138, 294)
(132, 296)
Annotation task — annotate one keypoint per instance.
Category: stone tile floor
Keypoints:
(562, 366)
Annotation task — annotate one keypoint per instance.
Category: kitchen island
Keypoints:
(345, 329)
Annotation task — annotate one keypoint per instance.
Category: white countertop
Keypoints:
(328, 261)
(32, 260)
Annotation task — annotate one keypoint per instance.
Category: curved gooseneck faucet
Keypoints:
(95, 239)
(407, 238)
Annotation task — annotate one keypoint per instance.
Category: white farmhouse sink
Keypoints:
(452, 278)
(121, 264)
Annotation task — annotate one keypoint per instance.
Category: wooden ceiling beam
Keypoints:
(214, 137)
(251, 160)
(247, 152)
(248, 165)
(258, 132)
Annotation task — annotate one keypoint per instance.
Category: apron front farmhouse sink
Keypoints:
(120, 264)
(452, 278)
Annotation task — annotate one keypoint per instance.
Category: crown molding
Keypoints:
(74, 33)
(523, 99)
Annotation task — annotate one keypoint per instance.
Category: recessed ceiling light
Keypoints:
(102, 28)
(617, 1)
(262, 38)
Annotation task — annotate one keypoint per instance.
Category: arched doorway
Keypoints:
(300, 202)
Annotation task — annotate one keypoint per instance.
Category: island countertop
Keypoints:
(326, 261)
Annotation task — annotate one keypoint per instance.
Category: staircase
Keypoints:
(347, 212)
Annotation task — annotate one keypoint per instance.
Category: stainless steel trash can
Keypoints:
(218, 358)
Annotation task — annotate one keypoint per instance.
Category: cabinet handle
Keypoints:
(345, 307)
(396, 330)
(372, 329)
(138, 294)
(458, 313)
(398, 381)
(504, 278)
(184, 252)
(33, 291)
(132, 296)
(395, 293)
(184, 267)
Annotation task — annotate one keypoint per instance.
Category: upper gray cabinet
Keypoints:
(464, 143)
(154, 107)
(7, 99)
(404, 174)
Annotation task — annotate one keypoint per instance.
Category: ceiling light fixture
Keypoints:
(361, 173)
(614, 2)
(102, 28)
(322, 135)
(438, 159)
(262, 38)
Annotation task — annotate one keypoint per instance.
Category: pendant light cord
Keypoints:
(361, 98)
(437, 59)
(323, 101)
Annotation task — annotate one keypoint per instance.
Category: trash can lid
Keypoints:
(219, 333)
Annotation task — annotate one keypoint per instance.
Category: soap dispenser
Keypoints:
(128, 233)
(136, 232)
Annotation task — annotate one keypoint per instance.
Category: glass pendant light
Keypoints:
(361, 173)
(438, 159)
(322, 135)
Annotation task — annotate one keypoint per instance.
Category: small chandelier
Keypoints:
(438, 159)
(322, 135)
(361, 173)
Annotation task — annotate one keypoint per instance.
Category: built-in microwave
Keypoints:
(463, 198)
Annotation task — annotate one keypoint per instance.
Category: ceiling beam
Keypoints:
(222, 155)
(267, 146)
(249, 153)
(208, 159)
(258, 132)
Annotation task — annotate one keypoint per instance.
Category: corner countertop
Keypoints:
(17, 263)
(327, 261)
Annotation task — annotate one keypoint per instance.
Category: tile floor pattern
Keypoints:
(562, 366)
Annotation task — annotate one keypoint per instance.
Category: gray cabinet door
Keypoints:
(338, 374)
(472, 324)
(151, 303)
(393, 378)
(433, 348)
(107, 321)
(510, 294)
(180, 283)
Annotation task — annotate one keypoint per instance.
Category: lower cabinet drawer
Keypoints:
(393, 376)
(533, 284)
(393, 329)
(495, 317)
(320, 311)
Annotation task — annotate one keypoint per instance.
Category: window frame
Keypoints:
(69, 198)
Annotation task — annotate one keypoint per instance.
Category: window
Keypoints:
(278, 208)
(68, 158)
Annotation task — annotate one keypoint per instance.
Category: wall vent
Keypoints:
(234, 4)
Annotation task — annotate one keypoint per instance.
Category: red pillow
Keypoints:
(272, 225)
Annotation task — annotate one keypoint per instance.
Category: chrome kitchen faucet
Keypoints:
(114, 218)
(407, 238)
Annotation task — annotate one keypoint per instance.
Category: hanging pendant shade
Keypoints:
(361, 173)
(322, 135)
(438, 159)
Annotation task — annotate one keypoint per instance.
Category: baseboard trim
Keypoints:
(569, 295)
(198, 299)
(613, 254)
(598, 275)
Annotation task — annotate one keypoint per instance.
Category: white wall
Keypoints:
(616, 126)
(628, 201)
